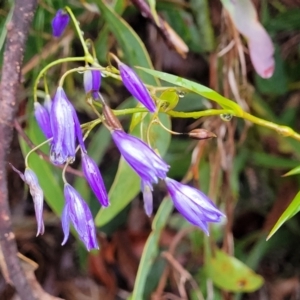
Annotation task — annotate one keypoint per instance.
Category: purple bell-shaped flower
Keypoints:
(194, 205)
(143, 160)
(77, 211)
(65, 129)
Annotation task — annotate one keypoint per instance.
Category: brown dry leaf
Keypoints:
(177, 42)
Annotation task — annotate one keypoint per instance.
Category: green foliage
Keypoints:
(230, 274)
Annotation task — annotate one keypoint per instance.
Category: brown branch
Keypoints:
(24, 136)
(17, 32)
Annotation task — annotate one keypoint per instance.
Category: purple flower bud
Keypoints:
(37, 194)
(142, 159)
(59, 23)
(91, 81)
(78, 212)
(94, 179)
(136, 87)
(43, 119)
(65, 127)
(195, 206)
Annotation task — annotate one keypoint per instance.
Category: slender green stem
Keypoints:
(87, 54)
(281, 129)
(198, 114)
(168, 130)
(44, 70)
(46, 85)
(78, 69)
(63, 174)
(34, 149)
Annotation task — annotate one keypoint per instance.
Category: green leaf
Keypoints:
(169, 99)
(134, 49)
(150, 251)
(291, 210)
(198, 89)
(230, 274)
(294, 171)
(43, 169)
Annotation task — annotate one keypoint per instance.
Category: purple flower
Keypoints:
(94, 178)
(195, 206)
(136, 87)
(60, 22)
(42, 117)
(92, 82)
(37, 194)
(65, 128)
(143, 160)
(78, 212)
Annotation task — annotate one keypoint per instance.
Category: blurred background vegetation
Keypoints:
(241, 169)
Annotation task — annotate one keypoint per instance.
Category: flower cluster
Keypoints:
(59, 122)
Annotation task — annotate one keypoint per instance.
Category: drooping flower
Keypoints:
(65, 128)
(142, 159)
(77, 211)
(42, 117)
(93, 176)
(60, 22)
(37, 194)
(194, 205)
(92, 82)
(136, 87)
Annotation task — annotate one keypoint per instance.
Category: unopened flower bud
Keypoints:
(201, 134)
(59, 23)
(91, 81)
(136, 87)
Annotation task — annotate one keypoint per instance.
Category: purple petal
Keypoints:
(94, 179)
(136, 87)
(148, 199)
(65, 222)
(59, 23)
(143, 160)
(38, 198)
(43, 119)
(91, 81)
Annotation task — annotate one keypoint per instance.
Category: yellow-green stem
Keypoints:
(80, 35)
(34, 149)
(44, 70)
